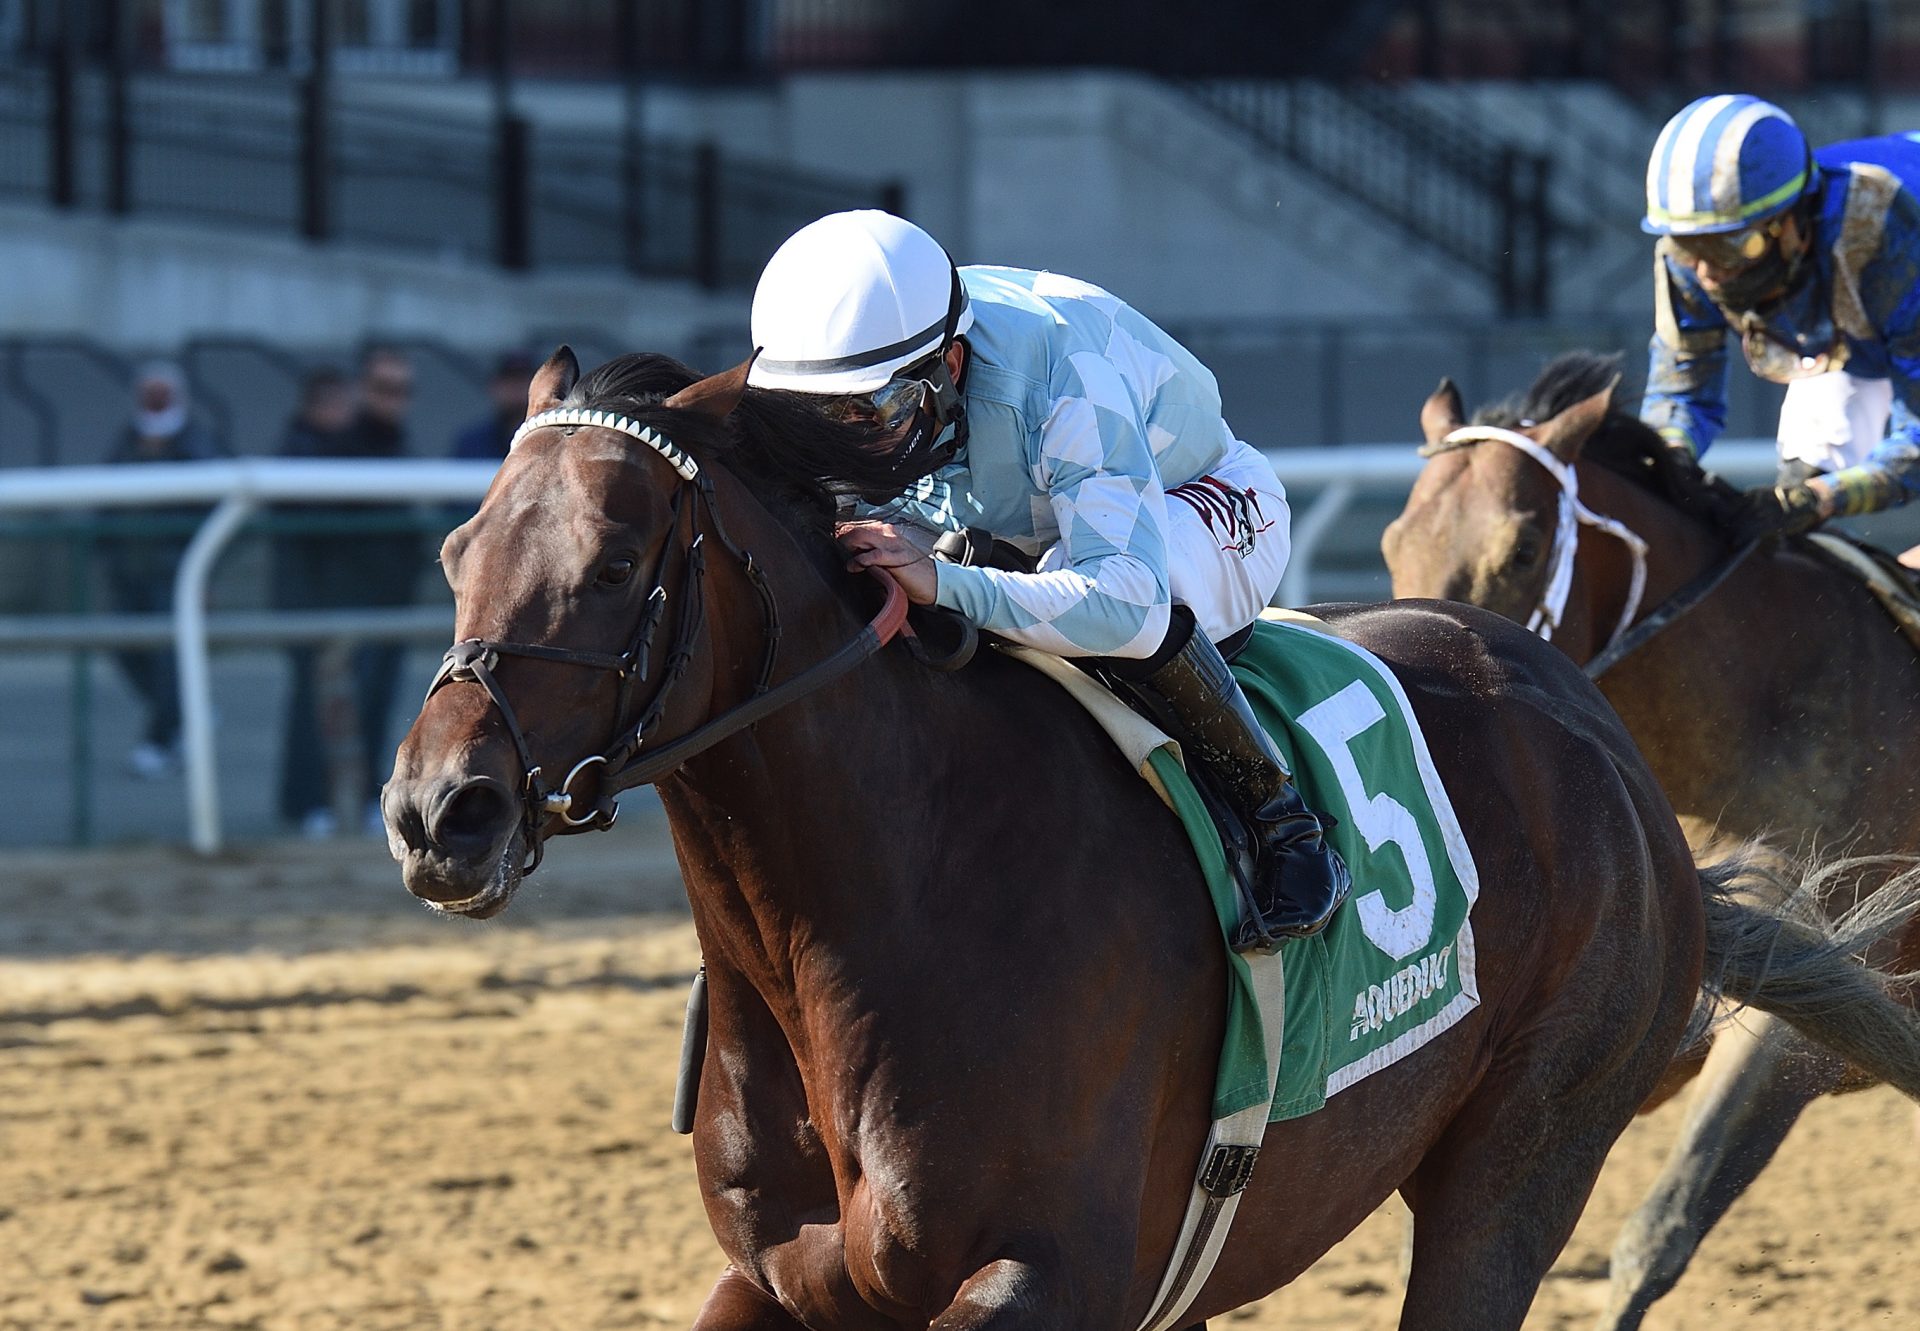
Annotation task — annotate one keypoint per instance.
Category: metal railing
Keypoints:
(237, 490)
(280, 154)
(1334, 476)
(1478, 201)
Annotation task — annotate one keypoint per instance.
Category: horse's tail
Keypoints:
(1770, 944)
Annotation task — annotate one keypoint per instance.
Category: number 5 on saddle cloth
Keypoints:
(1395, 967)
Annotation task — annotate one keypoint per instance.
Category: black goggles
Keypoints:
(924, 385)
(1732, 251)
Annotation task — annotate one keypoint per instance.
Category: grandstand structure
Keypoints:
(1333, 205)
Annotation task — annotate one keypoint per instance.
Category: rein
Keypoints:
(1696, 591)
(473, 660)
(1627, 636)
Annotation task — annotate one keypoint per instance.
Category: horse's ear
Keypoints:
(1442, 413)
(553, 381)
(716, 395)
(1566, 434)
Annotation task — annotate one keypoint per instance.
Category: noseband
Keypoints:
(623, 765)
(1566, 533)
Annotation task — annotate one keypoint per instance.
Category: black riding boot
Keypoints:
(1298, 880)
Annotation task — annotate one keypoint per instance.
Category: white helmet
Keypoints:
(850, 299)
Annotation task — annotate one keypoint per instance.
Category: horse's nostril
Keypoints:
(470, 819)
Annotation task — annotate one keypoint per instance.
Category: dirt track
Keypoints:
(272, 1093)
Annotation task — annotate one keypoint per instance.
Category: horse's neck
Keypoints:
(1680, 546)
(798, 836)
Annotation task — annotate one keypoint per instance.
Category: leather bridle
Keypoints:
(1627, 636)
(623, 763)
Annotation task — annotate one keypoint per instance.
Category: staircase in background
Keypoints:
(1443, 183)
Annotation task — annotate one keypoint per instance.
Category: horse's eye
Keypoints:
(1528, 549)
(616, 572)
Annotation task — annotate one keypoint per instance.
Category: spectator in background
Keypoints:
(141, 566)
(487, 438)
(370, 563)
(326, 410)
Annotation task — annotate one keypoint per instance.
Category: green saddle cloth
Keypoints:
(1394, 969)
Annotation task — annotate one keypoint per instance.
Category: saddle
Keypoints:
(1891, 582)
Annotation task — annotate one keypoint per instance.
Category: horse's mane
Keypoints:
(1623, 444)
(796, 460)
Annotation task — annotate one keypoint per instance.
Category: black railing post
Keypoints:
(512, 158)
(513, 234)
(1540, 227)
(1333, 419)
(1507, 260)
(706, 216)
(633, 200)
(63, 186)
(119, 110)
(893, 198)
(316, 178)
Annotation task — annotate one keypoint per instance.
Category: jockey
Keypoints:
(1036, 411)
(1812, 260)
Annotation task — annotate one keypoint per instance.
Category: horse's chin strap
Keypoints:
(1546, 616)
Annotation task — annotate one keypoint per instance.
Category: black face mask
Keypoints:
(928, 418)
(1773, 276)
(1770, 278)
(935, 435)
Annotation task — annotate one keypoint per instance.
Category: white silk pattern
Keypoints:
(1566, 534)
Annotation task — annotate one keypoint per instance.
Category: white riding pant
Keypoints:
(1832, 421)
(1227, 542)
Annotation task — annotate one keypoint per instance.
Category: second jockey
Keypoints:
(1810, 261)
(1038, 411)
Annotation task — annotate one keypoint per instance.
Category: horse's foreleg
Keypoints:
(737, 1304)
(1011, 1295)
(1757, 1079)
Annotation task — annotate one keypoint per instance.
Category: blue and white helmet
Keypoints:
(1724, 163)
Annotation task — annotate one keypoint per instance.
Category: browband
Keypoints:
(606, 420)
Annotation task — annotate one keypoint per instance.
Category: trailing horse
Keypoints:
(967, 991)
(1771, 694)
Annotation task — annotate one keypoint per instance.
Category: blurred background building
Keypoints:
(1333, 204)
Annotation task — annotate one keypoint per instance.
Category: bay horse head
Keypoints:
(602, 602)
(1555, 509)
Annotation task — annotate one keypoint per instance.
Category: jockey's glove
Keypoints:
(1778, 510)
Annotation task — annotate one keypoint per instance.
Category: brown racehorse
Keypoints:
(1783, 703)
(966, 987)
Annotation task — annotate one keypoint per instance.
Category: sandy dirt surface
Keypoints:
(271, 1092)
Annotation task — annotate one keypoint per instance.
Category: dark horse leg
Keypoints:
(1494, 1203)
(737, 1304)
(1757, 1080)
(1498, 1194)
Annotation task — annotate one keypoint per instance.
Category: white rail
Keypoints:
(237, 489)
